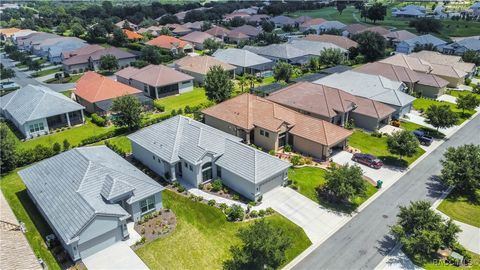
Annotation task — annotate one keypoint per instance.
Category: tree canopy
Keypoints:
(7, 149)
(218, 85)
(426, 25)
(441, 116)
(371, 44)
(331, 57)
(461, 168)
(283, 71)
(402, 143)
(127, 110)
(108, 62)
(345, 182)
(467, 102)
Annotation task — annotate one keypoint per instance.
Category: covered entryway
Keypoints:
(100, 242)
(117, 256)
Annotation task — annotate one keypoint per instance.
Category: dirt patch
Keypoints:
(154, 226)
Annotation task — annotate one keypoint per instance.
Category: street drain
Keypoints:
(384, 216)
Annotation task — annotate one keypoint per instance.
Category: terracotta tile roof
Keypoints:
(312, 22)
(355, 28)
(197, 37)
(248, 111)
(167, 42)
(154, 75)
(96, 54)
(392, 72)
(94, 87)
(372, 108)
(431, 80)
(376, 29)
(131, 34)
(201, 64)
(82, 51)
(218, 31)
(340, 41)
(408, 62)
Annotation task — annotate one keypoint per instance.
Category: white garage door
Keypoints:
(99, 243)
(271, 183)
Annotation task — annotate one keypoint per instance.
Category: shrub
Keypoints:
(272, 152)
(200, 186)
(296, 160)
(217, 185)
(101, 137)
(98, 120)
(468, 81)
(254, 214)
(252, 203)
(66, 145)
(260, 198)
(223, 206)
(181, 189)
(235, 197)
(287, 148)
(269, 211)
(188, 109)
(376, 134)
(211, 202)
(235, 212)
(261, 213)
(159, 106)
(56, 148)
(116, 149)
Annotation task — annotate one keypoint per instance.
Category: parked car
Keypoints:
(422, 137)
(368, 160)
(8, 85)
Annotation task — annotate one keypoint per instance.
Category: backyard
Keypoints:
(462, 209)
(308, 179)
(422, 104)
(192, 99)
(203, 237)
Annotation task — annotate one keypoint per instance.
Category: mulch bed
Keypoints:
(156, 225)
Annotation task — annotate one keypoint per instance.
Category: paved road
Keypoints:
(364, 241)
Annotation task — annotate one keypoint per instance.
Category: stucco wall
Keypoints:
(185, 86)
(25, 129)
(221, 125)
(266, 143)
(136, 212)
(308, 147)
(146, 158)
(99, 226)
(239, 184)
(365, 122)
(429, 91)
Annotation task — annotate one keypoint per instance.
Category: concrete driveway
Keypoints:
(316, 221)
(117, 256)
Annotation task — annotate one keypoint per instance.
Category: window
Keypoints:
(186, 165)
(261, 132)
(190, 167)
(219, 172)
(267, 134)
(186, 82)
(36, 127)
(153, 157)
(264, 133)
(147, 205)
(145, 88)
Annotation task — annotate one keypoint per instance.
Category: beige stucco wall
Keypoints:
(266, 143)
(429, 91)
(309, 148)
(223, 126)
(452, 82)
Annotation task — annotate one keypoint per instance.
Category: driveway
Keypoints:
(117, 256)
(417, 118)
(317, 221)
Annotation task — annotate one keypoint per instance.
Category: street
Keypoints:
(363, 242)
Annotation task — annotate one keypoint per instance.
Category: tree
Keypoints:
(107, 7)
(206, 25)
(235, 213)
(471, 56)
(211, 45)
(108, 62)
(165, 32)
(126, 25)
(402, 143)
(341, 6)
(345, 182)
(460, 168)
(7, 149)
(218, 86)
(77, 29)
(66, 145)
(263, 247)
(422, 231)
(56, 148)
(371, 44)
(426, 25)
(96, 32)
(127, 111)
(268, 26)
(35, 65)
(237, 21)
(331, 57)
(7, 73)
(283, 71)
(288, 28)
(151, 54)
(242, 82)
(377, 12)
(424, 47)
(119, 37)
(441, 116)
(467, 102)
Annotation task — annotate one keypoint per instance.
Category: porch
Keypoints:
(65, 120)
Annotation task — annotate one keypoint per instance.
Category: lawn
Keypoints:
(458, 93)
(378, 147)
(422, 104)
(68, 93)
(475, 264)
(71, 79)
(26, 212)
(203, 237)
(192, 99)
(462, 209)
(414, 126)
(120, 141)
(46, 72)
(307, 179)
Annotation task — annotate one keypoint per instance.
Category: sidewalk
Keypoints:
(469, 237)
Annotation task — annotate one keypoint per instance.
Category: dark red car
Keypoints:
(369, 160)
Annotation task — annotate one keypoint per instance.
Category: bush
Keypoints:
(287, 148)
(254, 214)
(98, 120)
(376, 134)
(296, 160)
(116, 149)
(188, 109)
(269, 211)
(223, 206)
(271, 152)
(181, 189)
(211, 202)
(261, 213)
(159, 106)
(200, 186)
(101, 137)
(468, 81)
(235, 212)
(56, 148)
(217, 185)
(235, 197)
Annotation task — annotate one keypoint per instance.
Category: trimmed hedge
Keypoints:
(98, 120)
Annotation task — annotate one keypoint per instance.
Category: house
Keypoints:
(314, 48)
(272, 126)
(132, 35)
(450, 60)
(36, 110)
(127, 24)
(156, 81)
(87, 196)
(428, 85)
(182, 149)
(373, 87)
(171, 43)
(27, 42)
(302, 19)
(244, 61)
(218, 32)
(282, 20)
(257, 19)
(340, 41)
(97, 92)
(250, 10)
(410, 11)
(407, 46)
(311, 24)
(7, 33)
(54, 51)
(396, 37)
(330, 25)
(382, 31)
(229, 17)
(197, 38)
(180, 30)
(353, 29)
(461, 46)
(195, 26)
(237, 37)
(244, 30)
(333, 105)
(198, 66)
(80, 51)
(91, 61)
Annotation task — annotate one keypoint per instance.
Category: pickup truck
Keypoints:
(422, 137)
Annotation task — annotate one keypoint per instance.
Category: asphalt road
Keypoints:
(364, 241)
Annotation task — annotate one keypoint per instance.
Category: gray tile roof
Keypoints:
(33, 102)
(369, 86)
(314, 47)
(472, 43)
(425, 39)
(67, 187)
(240, 58)
(184, 138)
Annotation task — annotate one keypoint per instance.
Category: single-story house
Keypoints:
(247, 30)
(340, 41)
(410, 11)
(91, 60)
(156, 81)
(235, 14)
(81, 51)
(28, 41)
(407, 46)
(20, 34)
(36, 109)
(353, 29)
(197, 38)
(272, 126)
(329, 25)
(315, 48)
(257, 19)
(237, 37)
(54, 52)
(198, 66)
(461, 46)
(128, 24)
(180, 30)
(282, 20)
(87, 195)
(428, 85)
(302, 19)
(396, 37)
(6, 33)
(182, 149)
(245, 61)
(218, 32)
(171, 43)
(449, 60)
(97, 92)
(311, 24)
(195, 26)
(332, 105)
(374, 87)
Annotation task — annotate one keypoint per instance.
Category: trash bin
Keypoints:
(379, 183)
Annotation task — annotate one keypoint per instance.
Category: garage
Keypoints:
(271, 183)
(100, 242)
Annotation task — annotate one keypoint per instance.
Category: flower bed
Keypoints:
(217, 188)
(155, 225)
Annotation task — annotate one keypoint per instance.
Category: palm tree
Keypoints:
(242, 81)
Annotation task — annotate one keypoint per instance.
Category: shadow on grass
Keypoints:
(394, 161)
(332, 203)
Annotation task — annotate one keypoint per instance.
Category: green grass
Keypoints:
(307, 179)
(203, 237)
(193, 98)
(414, 126)
(46, 72)
(458, 93)
(120, 141)
(462, 209)
(26, 212)
(68, 93)
(71, 79)
(475, 264)
(378, 147)
(422, 104)
(21, 66)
